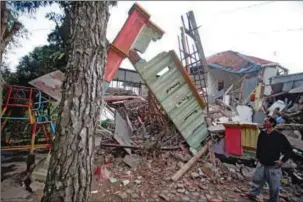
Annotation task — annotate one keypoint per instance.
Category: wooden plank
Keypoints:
(191, 162)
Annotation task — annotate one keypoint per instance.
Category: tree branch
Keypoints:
(10, 34)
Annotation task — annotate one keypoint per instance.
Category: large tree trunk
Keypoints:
(70, 171)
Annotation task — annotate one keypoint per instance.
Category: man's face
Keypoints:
(267, 124)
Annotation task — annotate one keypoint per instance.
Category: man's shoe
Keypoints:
(252, 197)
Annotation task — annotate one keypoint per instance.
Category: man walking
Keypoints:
(271, 144)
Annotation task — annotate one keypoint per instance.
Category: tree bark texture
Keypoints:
(70, 171)
(4, 19)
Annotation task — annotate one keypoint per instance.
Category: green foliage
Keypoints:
(43, 59)
(7, 75)
(15, 9)
(47, 58)
(40, 61)
(27, 6)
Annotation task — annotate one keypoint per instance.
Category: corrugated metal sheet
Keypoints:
(287, 86)
(286, 82)
(177, 95)
(286, 78)
(50, 84)
(297, 90)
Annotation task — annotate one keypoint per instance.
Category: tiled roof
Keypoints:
(235, 60)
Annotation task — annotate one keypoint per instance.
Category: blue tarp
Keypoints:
(244, 70)
(250, 65)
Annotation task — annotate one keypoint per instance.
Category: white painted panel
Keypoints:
(268, 73)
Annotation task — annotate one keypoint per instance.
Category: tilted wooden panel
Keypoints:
(177, 95)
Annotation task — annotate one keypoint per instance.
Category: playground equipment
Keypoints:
(24, 108)
(27, 106)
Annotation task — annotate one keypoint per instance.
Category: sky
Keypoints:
(268, 30)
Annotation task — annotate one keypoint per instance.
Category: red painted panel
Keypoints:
(130, 30)
(233, 143)
(124, 40)
(114, 60)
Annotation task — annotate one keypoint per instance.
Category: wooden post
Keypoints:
(189, 164)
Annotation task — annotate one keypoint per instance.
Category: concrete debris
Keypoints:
(138, 181)
(181, 190)
(125, 182)
(247, 172)
(196, 185)
(194, 175)
(208, 169)
(219, 199)
(122, 195)
(230, 167)
(190, 163)
(113, 180)
(132, 160)
(164, 197)
(216, 129)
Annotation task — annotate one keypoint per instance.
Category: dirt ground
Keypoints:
(150, 181)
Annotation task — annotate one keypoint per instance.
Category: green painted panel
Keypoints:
(175, 96)
(192, 124)
(151, 70)
(199, 135)
(179, 115)
(178, 99)
(164, 90)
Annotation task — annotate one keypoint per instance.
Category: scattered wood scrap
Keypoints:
(191, 162)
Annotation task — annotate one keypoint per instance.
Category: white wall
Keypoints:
(268, 73)
(214, 76)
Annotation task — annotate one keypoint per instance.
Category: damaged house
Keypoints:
(288, 91)
(244, 72)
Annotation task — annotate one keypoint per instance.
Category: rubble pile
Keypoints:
(142, 125)
(150, 180)
(141, 156)
(119, 91)
(138, 174)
